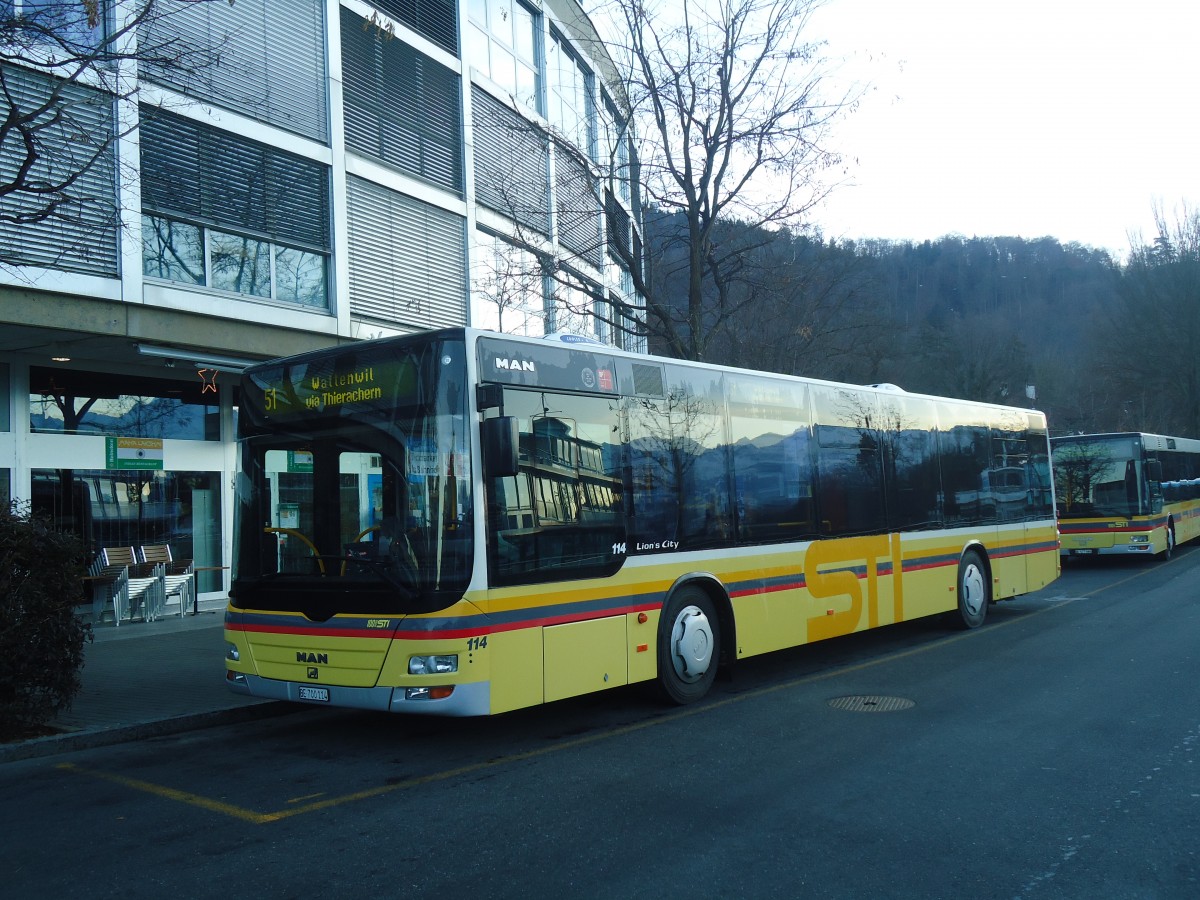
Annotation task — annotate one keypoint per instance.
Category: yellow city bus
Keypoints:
(1126, 494)
(464, 523)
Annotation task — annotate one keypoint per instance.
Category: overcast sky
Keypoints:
(1067, 118)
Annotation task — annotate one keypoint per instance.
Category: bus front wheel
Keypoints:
(688, 646)
(974, 591)
(1170, 542)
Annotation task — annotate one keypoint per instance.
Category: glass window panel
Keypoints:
(524, 33)
(678, 465)
(300, 277)
(81, 24)
(771, 464)
(240, 264)
(477, 50)
(501, 20)
(172, 250)
(527, 85)
(850, 493)
(507, 288)
(66, 401)
(504, 71)
(5, 420)
(563, 515)
(964, 443)
(116, 508)
(908, 434)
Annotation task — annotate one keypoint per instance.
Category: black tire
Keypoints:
(689, 646)
(974, 591)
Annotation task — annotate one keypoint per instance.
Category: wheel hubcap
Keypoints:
(691, 644)
(973, 591)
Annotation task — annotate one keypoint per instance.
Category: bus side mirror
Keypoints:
(499, 439)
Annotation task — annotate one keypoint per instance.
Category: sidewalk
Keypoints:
(145, 679)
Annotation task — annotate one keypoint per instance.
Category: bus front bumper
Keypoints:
(465, 700)
(1107, 545)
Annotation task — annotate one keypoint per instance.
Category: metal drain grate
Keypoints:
(871, 704)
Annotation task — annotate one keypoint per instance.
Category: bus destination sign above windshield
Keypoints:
(303, 390)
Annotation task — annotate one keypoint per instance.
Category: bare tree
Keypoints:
(1146, 347)
(731, 121)
(64, 67)
(1077, 471)
(711, 114)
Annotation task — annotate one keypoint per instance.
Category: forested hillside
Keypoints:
(1103, 345)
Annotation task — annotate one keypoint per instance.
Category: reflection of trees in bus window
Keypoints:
(678, 461)
(1078, 468)
(771, 464)
(912, 475)
(849, 474)
(964, 441)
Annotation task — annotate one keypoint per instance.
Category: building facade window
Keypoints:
(508, 289)
(570, 107)
(63, 215)
(407, 258)
(614, 146)
(260, 58)
(231, 214)
(502, 44)
(133, 508)
(512, 164)
(5, 402)
(435, 20)
(577, 308)
(578, 207)
(402, 107)
(67, 401)
(80, 26)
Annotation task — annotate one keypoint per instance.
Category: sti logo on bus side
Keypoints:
(302, 657)
(515, 365)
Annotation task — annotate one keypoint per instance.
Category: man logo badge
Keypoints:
(312, 672)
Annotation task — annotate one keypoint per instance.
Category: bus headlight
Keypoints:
(231, 652)
(1139, 539)
(433, 665)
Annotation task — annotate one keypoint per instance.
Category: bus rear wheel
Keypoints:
(688, 646)
(974, 591)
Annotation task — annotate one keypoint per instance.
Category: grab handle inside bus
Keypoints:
(499, 439)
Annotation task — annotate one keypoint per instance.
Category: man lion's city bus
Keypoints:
(465, 523)
(1128, 493)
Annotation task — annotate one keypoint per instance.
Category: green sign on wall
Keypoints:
(133, 453)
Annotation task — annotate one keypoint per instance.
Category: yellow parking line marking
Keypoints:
(158, 790)
(306, 797)
(257, 818)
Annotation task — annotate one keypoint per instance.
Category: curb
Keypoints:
(70, 742)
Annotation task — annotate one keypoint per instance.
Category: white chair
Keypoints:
(146, 581)
(108, 587)
(179, 575)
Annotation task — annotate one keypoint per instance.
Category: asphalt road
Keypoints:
(1050, 754)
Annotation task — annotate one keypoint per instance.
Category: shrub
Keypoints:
(41, 637)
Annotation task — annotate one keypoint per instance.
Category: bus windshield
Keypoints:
(1100, 477)
(354, 489)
